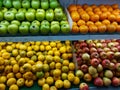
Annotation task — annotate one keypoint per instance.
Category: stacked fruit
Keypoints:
(34, 17)
(98, 60)
(47, 62)
(93, 18)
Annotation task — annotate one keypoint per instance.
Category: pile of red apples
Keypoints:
(98, 61)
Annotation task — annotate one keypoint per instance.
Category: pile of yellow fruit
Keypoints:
(47, 62)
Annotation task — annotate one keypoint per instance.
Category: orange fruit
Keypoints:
(75, 29)
(118, 28)
(115, 23)
(112, 17)
(81, 22)
(103, 16)
(98, 13)
(85, 6)
(80, 10)
(108, 13)
(110, 9)
(90, 13)
(93, 28)
(101, 6)
(103, 9)
(115, 6)
(111, 28)
(88, 9)
(85, 17)
(72, 7)
(94, 18)
(118, 18)
(106, 22)
(102, 28)
(78, 6)
(75, 15)
(89, 23)
(115, 12)
(93, 6)
(74, 23)
(98, 23)
(83, 29)
(96, 9)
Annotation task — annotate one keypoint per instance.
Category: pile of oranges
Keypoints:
(92, 18)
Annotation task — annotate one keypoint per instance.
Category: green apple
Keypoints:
(13, 10)
(15, 22)
(35, 4)
(34, 29)
(3, 29)
(55, 29)
(64, 22)
(7, 3)
(44, 4)
(40, 14)
(3, 9)
(20, 16)
(30, 16)
(5, 22)
(32, 10)
(24, 29)
(9, 16)
(1, 15)
(54, 4)
(45, 22)
(54, 22)
(39, 74)
(13, 29)
(44, 29)
(26, 23)
(50, 15)
(36, 22)
(64, 17)
(65, 28)
(58, 14)
(1, 3)
(16, 4)
(22, 10)
(26, 4)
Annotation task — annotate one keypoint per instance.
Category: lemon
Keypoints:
(67, 84)
(64, 76)
(16, 68)
(9, 42)
(65, 69)
(52, 44)
(3, 50)
(14, 87)
(13, 45)
(37, 43)
(65, 63)
(47, 74)
(59, 45)
(29, 48)
(23, 47)
(10, 75)
(30, 53)
(70, 55)
(39, 53)
(59, 83)
(57, 78)
(2, 43)
(71, 66)
(49, 58)
(9, 48)
(27, 44)
(29, 83)
(45, 43)
(69, 49)
(52, 65)
(58, 65)
(67, 42)
(48, 47)
(56, 53)
(50, 52)
(18, 75)
(71, 77)
(63, 49)
(57, 72)
(2, 86)
(53, 88)
(14, 52)
(41, 81)
(54, 49)
(22, 53)
(42, 48)
(64, 56)
(2, 60)
(11, 81)
(0, 47)
(3, 79)
(6, 55)
(49, 80)
(45, 87)
(41, 57)
(36, 48)
(76, 80)
(20, 82)
(56, 59)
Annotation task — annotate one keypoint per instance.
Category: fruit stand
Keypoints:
(59, 45)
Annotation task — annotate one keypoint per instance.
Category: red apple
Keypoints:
(96, 41)
(79, 51)
(106, 81)
(105, 63)
(106, 49)
(93, 50)
(99, 45)
(98, 82)
(83, 86)
(115, 81)
(94, 55)
(104, 44)
(87, 77)
(101, 74)
(111, 44)
(85, 49)
(89, 41)
(110, 55)
(94, 62)
(118, 47)
(102, 41)
(91, 45)
(79, 73)
(108, 41)
(108, 74)
(83, 44)
(112, 66)
(117, 74)
(99, 50)
(103, 55)
(117, 66)
(116, 43)
(114, 49)
(85, 56)
(79, 61)
(84, 68)
(114, 61)
(117, 55)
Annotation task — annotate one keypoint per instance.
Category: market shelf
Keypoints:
(71, 37)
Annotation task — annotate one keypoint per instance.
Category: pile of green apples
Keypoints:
(33, 17)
